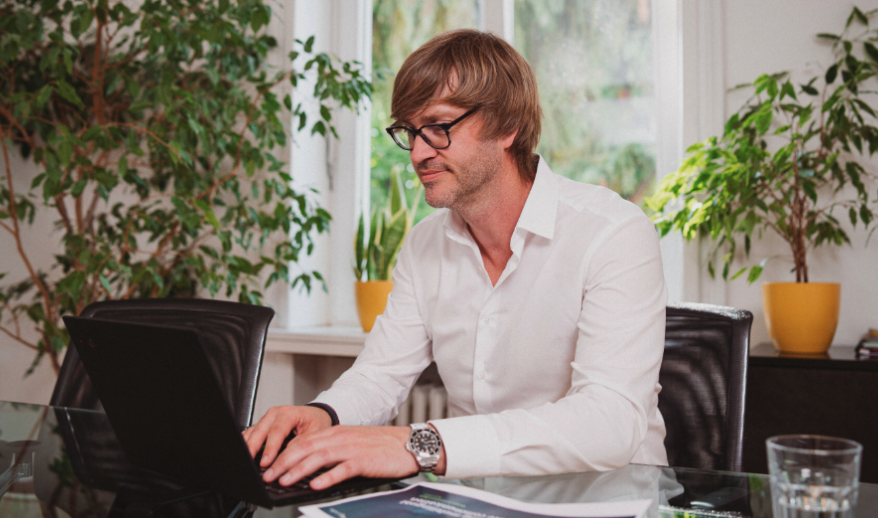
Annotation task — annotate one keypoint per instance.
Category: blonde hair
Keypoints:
(479, 69)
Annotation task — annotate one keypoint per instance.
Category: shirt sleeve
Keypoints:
(396, 352)
(602, 421)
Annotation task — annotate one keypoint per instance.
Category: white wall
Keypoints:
(761, 36)
(754, 37)
(40, 243)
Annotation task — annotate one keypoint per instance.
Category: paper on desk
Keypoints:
(449, 500)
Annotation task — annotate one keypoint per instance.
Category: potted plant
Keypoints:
(154, 127)
(791, 161)
(375, 253)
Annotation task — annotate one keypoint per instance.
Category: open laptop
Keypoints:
(164, 403)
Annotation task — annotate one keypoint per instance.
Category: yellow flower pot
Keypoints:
(801, 316)
(371, 300)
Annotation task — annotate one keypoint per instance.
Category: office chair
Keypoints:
(233, 333)
(234, 336)
(703, 378)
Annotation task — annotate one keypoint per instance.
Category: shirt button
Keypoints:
(487, 320)
(482, 375)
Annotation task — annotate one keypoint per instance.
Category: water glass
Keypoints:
(813, 476)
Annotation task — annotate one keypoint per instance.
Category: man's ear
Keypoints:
(508, 140)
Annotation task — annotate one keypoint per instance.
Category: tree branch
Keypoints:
(18, 339)
(47, 299)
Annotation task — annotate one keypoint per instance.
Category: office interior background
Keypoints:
(691, 53)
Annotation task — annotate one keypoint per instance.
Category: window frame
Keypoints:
(689, 97)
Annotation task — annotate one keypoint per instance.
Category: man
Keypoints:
(540, 299)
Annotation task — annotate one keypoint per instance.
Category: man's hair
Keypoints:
(479, 69)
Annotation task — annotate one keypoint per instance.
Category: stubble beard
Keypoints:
(470, 182)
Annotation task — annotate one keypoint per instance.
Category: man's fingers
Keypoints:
(348, 451)
(340, 472)
(305, 456)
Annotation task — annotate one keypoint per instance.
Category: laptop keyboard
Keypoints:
(277, 489)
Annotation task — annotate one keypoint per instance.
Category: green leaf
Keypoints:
(78, 187)
(810, 90)
(763, 121)
(391, 241)
(787, 90)
(756, 271)
(828, 36)
(871, 51)
(65, 151)
(772, 89)
(738, 273)
(43, 96)
(105, 283)
(123, 166)
(211, 218)
(865, 215)
(69, 93)
(831, 74)
(810, 191)
(860, 16)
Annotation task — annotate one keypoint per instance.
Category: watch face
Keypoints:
(426, 441)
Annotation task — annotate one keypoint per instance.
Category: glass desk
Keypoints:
(68, 463)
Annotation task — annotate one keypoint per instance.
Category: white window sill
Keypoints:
(346, 341)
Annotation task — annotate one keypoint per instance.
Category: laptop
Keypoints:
(166, 408)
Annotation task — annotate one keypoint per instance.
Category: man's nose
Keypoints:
(421, 150)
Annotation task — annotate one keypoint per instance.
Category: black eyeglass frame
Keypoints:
(445, 126)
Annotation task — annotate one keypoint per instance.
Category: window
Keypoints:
(600, 90)
(593, 63)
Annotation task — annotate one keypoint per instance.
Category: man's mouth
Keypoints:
(429, 176)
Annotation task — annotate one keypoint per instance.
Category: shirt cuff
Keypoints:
(328, 409)
(472, 448)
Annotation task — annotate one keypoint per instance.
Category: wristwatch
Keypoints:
(425, 444)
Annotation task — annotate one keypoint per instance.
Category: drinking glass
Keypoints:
(813, 476)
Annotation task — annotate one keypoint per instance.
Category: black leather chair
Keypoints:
(233, 333)
(703, 378)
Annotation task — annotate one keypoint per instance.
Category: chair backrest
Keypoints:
(703, 378)
(233, 334)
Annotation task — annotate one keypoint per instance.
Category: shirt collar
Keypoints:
(538, 215)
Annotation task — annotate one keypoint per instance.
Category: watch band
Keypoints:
(333, 417)
(425, 444)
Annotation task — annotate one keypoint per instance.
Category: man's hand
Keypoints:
(369, 451)
(278, 423)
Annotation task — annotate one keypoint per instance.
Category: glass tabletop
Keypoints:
(67, 462)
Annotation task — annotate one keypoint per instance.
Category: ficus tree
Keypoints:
(156, 128)
(793, 161)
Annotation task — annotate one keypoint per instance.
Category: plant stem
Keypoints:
(13, 214)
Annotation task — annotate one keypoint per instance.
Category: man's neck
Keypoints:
(493, 221)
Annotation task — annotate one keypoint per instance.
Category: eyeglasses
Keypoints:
(435, 135)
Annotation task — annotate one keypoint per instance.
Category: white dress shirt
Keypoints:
(555, 368)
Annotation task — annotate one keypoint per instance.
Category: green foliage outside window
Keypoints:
(593, 63)
(156, 131)
(586, 55)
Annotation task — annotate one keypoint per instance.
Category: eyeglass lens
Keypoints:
(434, 135)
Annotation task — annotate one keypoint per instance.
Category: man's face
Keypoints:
(463, 173)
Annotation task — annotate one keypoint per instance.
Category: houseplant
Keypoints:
(155, 128)
(375, 253)
(791, 161)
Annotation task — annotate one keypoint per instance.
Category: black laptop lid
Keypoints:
(163, 402)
